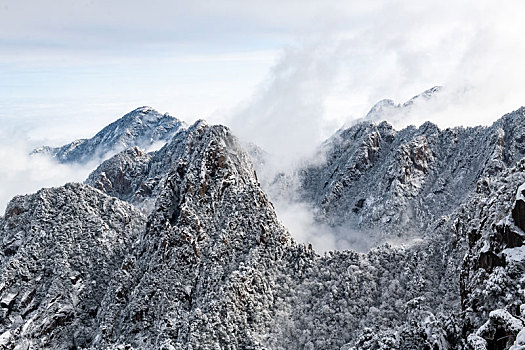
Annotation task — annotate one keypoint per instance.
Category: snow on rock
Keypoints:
(397, 182)
(476, 342)
(519, 344)
(136, 176)
(118, 175)
(499, 331)
(60, 248)
(211, 267)
(142, 127)
(515, 254)
(388, 110)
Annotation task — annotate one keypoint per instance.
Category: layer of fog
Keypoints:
(395, 51)
(300, 219)
(24, 173)
(21, 173)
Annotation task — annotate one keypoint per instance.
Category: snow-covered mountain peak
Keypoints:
(425, 95)
(144, 109)
(388, 109)
(143, 114)
(382, 106)
(142, 127)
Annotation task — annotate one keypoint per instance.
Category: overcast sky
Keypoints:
(69, 67)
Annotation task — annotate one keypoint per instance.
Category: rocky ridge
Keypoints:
(60, 248)
(142, 127)
(375, 177)
(211, 267)
(388, 109)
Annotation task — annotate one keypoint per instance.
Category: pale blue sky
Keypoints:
(70, 67)
(267, 68)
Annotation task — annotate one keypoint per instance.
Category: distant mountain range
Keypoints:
(389, 110)
(142, 127)
(181, 248)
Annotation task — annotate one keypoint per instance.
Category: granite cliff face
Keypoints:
(181, 248)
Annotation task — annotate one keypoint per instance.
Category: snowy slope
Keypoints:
(211, 267)
(60, 248)
(142, 127)
(387, 109)
(401, 181)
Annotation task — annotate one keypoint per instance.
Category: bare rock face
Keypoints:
(518, 212)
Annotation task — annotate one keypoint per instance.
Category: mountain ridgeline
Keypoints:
(402, 181)
(181, 248)
(142, 127)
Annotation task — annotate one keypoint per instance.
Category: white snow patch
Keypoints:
(5, 338)
(519, 344)
(516, 254)
(519, 193)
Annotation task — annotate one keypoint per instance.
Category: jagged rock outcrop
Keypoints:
(499, 332)
(201, 276)
(142, 127)
(120, 173)
(211, 267)
(491, 275)
(137, 177)
(400, 181)
(214, 268)
(59, 250)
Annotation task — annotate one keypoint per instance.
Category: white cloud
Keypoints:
(396, 50)
(299, 218)
(286, 117)
(21, 173)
